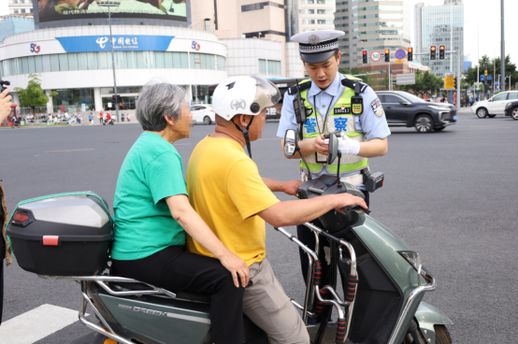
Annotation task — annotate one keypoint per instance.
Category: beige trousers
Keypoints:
(268, 306)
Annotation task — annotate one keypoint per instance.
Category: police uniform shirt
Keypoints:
(371, 122)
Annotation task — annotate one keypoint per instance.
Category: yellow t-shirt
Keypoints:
(227, 191)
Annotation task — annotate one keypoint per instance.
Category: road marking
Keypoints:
(36, 324)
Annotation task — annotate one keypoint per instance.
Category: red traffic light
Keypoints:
(410, 54)
(442, 50)
(364, 56)
(433, 50)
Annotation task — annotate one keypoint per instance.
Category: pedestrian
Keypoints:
(101, 117)
(235, 201)
(333, 104)
(90, 118)
(5, 110)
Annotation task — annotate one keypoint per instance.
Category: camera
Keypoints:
(3, 84)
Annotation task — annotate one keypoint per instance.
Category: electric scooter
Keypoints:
(375, 293)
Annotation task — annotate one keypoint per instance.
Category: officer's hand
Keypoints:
(346, 145)
(321, 145)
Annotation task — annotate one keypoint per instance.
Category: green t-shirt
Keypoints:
(152, 171)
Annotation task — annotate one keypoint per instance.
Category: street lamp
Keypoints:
(111, 4)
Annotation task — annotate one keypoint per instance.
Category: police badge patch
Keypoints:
(342, 110)
(377, 108)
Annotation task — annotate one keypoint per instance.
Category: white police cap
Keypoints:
(317, 46)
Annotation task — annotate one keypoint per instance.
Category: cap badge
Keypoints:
(313, 39)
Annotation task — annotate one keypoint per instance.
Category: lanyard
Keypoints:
(317, 112)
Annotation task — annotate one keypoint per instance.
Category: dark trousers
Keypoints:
(177, 270)
(1, 288)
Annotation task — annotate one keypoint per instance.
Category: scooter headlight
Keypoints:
(413, 259)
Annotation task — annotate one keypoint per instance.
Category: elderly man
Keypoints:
(226, 189)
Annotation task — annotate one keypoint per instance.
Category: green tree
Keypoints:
(33, 96)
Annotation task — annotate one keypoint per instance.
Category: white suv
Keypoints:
(494, 105)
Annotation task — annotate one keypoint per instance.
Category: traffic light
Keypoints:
(410, 54)
(442, 49)
(387, 55)
(433, 50)
(364, 56)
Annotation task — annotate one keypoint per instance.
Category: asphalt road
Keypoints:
(450, 195)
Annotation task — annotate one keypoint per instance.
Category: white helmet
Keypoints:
(244, 95)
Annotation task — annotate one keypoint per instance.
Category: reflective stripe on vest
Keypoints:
(339, 119)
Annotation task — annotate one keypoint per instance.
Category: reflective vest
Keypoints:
(339, 119)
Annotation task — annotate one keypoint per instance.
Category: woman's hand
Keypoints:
(237, 267)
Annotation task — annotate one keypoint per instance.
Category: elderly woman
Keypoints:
(152, 214)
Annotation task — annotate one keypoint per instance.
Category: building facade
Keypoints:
(372, 26)
(80, 56)
(9, 25)
(441, 25)
(255, 34)
(314, 15)
(20, 7)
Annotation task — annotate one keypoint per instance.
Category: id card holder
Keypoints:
(321, 158)
(357, 105)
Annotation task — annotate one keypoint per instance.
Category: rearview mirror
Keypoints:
(290, 143)
(333, 149)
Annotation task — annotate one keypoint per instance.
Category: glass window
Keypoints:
(390, 99)
(63, 62)
(513, 95)
(92, 60)
(501, 96)
(220, 61)
(54, 63)
(73, 63)
(104, 60)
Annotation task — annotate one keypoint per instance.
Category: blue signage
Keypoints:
(489, 77)
(481, 77)
(120, 42)
(400, 54)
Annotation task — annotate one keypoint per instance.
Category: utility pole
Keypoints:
(502, 47)
(109, 4)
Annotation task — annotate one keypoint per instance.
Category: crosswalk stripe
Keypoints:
(36, 324)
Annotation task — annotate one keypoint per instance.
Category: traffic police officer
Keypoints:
(332, 103)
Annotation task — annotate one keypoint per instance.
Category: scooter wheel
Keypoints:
(109, 341)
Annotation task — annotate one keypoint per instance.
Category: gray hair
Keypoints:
(156, 101)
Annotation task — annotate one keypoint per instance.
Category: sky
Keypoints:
(481, 26)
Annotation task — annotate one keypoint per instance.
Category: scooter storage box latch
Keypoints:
(67, 235)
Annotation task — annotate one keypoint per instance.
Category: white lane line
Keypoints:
(72, 150)
(36, 324)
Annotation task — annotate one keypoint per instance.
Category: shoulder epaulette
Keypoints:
(301, 86)
(357, 86)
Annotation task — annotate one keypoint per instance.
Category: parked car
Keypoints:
(494, 105)
(405, 109)
(202, 113)
(511, 109)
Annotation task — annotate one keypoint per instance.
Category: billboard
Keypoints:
(51, 10)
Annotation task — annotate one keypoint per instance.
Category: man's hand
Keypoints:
(348, 146)
(237, 267)
(290, 187)
(348, 200)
